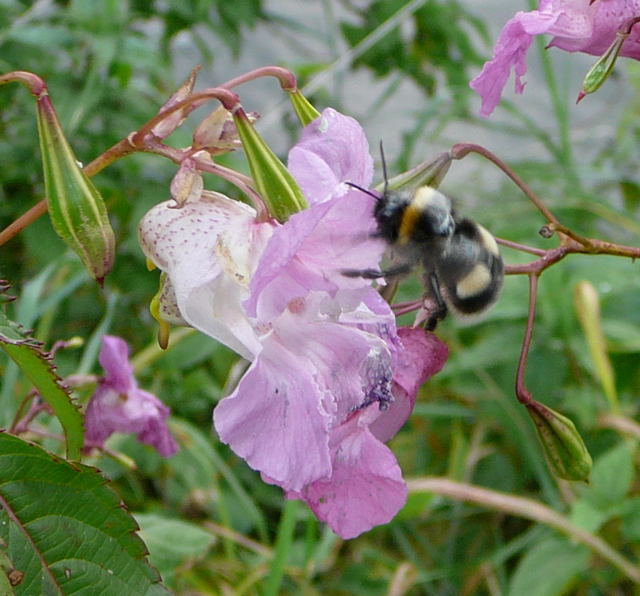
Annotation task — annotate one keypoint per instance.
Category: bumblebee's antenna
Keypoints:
(384, 170)
(386, 179)
(364, 190)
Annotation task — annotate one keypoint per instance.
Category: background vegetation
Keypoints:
(210, 524)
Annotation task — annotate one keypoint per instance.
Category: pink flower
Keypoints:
(310, 410)
(577, 26)
(365, 487)
(209, 249)
(119, 405)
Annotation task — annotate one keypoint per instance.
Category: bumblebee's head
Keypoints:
(422, 216)
(428, 216)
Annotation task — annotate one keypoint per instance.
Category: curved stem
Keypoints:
(227, 98)
(287, 79)
(402, 308)
(528, 509)
(522, 247)
(460, 150)
(36, 85)
(621, 424)
(522, 393)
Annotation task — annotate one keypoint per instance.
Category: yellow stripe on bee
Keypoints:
(424, 195)
(488, 241)
(475, 282)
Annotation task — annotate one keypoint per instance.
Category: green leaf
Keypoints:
(549, 568)
(172, 543)
(35, 364)
(587, 516)
(66, 530)
(612, 476)
(630, 526)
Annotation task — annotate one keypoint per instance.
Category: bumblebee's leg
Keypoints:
(441, 306)
(376, 273)
(364, 273)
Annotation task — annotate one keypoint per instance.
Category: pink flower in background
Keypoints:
(329, 374)
(577, 26)
(119, 405)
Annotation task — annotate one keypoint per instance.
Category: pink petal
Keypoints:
(209, 249)
(592, 28)
(150, 416)
(281, 271)
(311, 251)
(333, 149)
(275, 419)
(577, 26)
(422, 355)
(114, 359)
(138, 411)
(510, 51)
(352, 366)
(366, 488)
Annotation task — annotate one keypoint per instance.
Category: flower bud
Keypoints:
(601, 70)
(76, 209)
(429, 173)
(587, 305)
(564, 448)
(187, 184)
(273, 181)
(217, 132)
(164, 128)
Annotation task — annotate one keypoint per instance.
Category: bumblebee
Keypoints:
(462, 267)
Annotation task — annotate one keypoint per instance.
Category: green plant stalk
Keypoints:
(559, 108)
(528, 509)
(282, 548)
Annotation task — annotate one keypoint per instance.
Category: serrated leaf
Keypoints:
(66, 530)
(27, 353)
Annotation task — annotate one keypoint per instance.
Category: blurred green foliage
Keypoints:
(210, 523)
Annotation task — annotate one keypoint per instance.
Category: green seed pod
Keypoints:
(273, 181)
(601, 70)
(305, 112)
(76, 208)
(564, 448)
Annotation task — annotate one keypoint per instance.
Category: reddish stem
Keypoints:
(521, 247)
(460, 150)
(228, 99)
(23, 221)
(36, 85)
(626, 29)
(522, 393)
(287, 79)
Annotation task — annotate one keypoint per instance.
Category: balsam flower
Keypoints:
(318, 400)
(365, 487)
(119, 405)
(577, 26)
